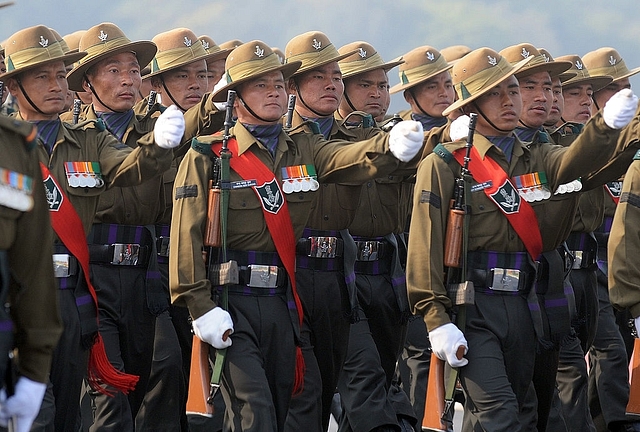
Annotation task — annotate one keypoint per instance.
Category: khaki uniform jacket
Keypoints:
(28, 238)
(489, 229)
(624, 245)
(120, 165)
(335, 161)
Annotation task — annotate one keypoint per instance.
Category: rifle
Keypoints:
(291, 105)
(633, 406)
(76, 110)
(1, 92)
(152, 100)
(440, 394)
(204, 382)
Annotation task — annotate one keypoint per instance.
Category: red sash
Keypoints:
(68, 226)
(521, 215)
(249, 166)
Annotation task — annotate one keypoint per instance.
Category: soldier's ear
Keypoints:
(12, 86)
(408, 96)
(292, 86)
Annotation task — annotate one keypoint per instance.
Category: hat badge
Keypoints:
(492, 60)
(187, 41)
(205, 44)
(546, 58)
(43, 42)
(317, 44)
(525, 53)
(259, 51)
(612, 61)
(362, 53)
(578, 65)
(430, 56)
(102, 36)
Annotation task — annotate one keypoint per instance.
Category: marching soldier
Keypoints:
(122, 240)
(83, 161)
(499, 339)
(30, 315)
(215, 63)
(263, 365)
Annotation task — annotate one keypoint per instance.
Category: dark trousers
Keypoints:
(326, 330)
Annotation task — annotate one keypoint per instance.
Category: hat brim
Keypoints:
(628, 74)
(67, 59)
(206, 58)
(144, 51)
(597, 83)
(462, 102)
(555, 68)
(400, 87)
(287, 72)
(386, 67)
(325, 62)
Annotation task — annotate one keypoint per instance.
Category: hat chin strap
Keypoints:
(415, 99)
(346, 97)
(307, 106)
(93, 91)
(489, 121)
(523, 124)
(26, 96)
(171, 96)
(250, 110)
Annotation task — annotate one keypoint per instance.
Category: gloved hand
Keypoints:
(445, 341)
(212, 326)
(459, 128)
(23, 405)
(221, 106)
(636, 321)
(405, 139)
(169, 128)
(620, 109)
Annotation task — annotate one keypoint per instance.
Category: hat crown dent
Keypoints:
(607, 61)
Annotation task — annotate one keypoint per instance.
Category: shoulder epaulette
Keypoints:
(637, 155)
(366, 122)
(86, 124)
(26, 129)
(203, 144)
(445, 154)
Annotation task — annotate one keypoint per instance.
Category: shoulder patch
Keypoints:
(428, 197)
(637, 155)
(188, 191)
(445, 154)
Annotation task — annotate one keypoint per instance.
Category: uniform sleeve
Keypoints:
(187, 270)
(34, 295)
(123, 166)
(425, 267)
(624, 245)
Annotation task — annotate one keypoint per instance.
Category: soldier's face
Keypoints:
(557, 104)
(266, 96)
(116, 80)
(537, 97)
(432, 96)
(215, 70)
(46, 86)
(577, 103)
(321, 89)
(602, 96)
(502, 105)
(186, 84)
(368, 92)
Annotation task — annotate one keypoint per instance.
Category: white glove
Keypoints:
(221, 106)
(23, 405)
(445, 341)
(169, 128)
(636, 321)
(212, 326)
(620, 109)
(405, 139)
(459, 128)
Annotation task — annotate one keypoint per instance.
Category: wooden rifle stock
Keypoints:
(212, 235)
(633, 407)
(199, 380)
(453, 237)
(434, 404)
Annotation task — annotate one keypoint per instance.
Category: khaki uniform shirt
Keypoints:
(489, 229)
(28, 238)
(335, 161)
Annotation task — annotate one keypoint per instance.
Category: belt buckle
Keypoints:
(263, 276)
(505, 279)
(162, 245)
(322, 247)
(578, 258)
(125, 254)
(61, 265)
(367, 250)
